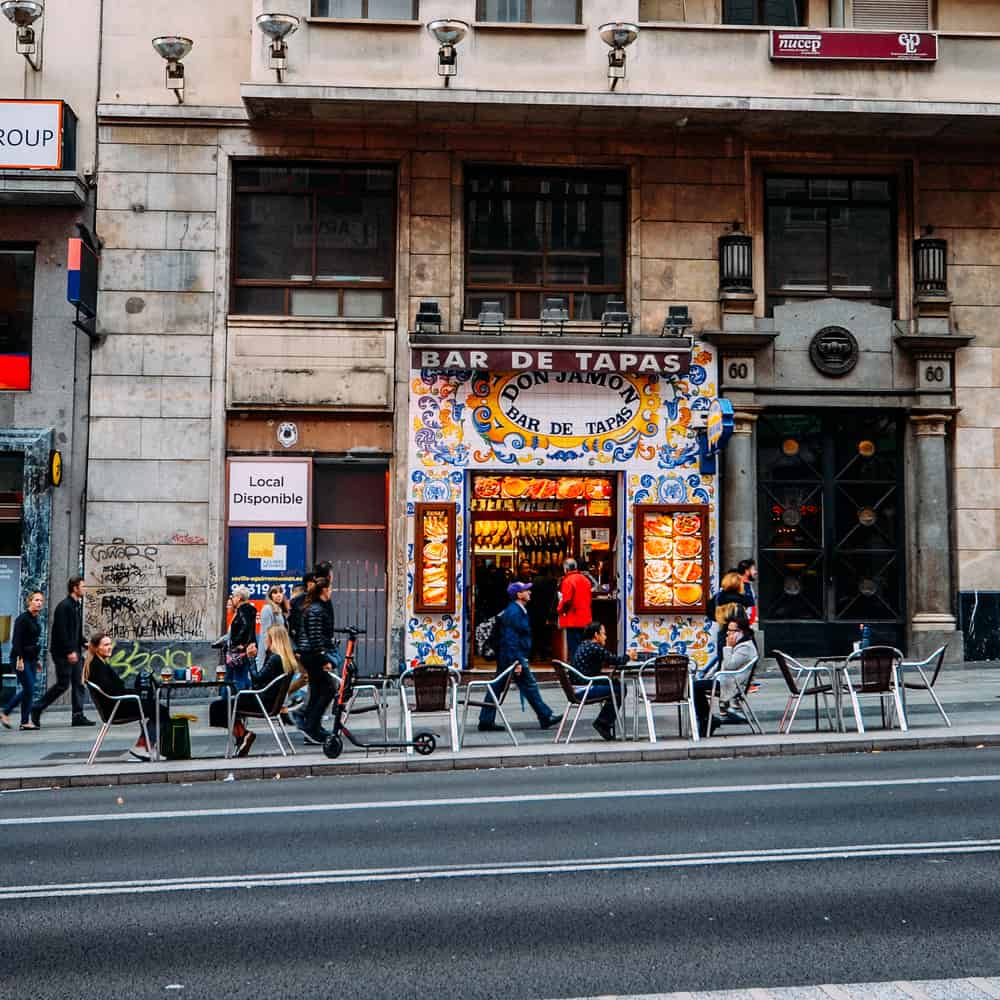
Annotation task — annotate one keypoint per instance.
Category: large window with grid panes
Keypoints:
(830, 236)
(533, 234)
(314, 240)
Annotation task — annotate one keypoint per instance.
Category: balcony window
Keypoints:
(530, 11)
(784, 13)
(17, 294)
(314, 240)
(533, 234)
(891, 15)
(830, 236)
(376, 10)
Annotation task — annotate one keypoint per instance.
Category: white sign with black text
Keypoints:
(266, 493)
(31, 134)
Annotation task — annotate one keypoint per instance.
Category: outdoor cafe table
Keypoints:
(631, 677)
(174, 685)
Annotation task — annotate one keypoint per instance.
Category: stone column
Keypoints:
(932, 619)
(739, 493)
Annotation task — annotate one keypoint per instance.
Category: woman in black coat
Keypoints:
(25, 653)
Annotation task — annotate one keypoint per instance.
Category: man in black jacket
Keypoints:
(66, 644)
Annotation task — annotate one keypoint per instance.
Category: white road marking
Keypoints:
(342, 876)
(481, 800)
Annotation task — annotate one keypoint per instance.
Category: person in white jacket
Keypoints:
(738, 651)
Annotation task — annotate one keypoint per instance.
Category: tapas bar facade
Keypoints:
(577, 451)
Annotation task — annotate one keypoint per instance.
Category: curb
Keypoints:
(186, 772)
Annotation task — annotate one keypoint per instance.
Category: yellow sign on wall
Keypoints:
(261, 545)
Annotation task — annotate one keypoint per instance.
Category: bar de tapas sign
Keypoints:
(869, 46)
(589, 359)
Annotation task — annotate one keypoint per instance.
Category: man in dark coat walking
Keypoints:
(66, 644)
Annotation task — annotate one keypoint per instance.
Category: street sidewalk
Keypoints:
(57, 754)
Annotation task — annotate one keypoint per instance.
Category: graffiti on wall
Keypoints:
(127, 595)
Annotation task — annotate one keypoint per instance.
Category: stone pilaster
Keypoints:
(932, 621)
(739, 493)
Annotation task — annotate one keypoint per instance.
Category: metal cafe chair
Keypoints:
(742, 679)
(572, 681)
(374, 688)
(265, 704)
(880, 675)
(935, 660)
(491, 698)
(671, 686)
(794, 673)
(118, 710)
(435, 691)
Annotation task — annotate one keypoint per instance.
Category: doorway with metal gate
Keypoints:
(830, 529)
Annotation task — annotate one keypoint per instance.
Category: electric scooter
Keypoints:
(424, 742)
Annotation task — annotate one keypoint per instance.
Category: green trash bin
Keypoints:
(175, 739)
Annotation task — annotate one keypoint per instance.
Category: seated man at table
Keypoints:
(590, 658)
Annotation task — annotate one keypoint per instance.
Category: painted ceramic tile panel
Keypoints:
(515, 424)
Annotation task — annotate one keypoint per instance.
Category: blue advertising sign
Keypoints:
(716, 435)
(260, 558)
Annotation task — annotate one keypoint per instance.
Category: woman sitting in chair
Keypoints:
(97, 670)
(279, 659)
(737, 652)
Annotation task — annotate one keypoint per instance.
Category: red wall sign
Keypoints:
(895, 46)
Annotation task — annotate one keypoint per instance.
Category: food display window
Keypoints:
(435, 558)
(671, 559)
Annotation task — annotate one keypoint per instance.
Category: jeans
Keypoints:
(574, 636)
(24, 693)
(321, 690)
(528, 686)
(67, 675)
(599, 689)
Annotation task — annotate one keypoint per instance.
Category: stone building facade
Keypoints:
(868, 495)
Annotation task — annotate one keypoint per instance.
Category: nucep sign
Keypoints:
(31, 134)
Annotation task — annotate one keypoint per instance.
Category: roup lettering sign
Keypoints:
(871, 46)
(639, 361)
(31, 135)
(265, 492)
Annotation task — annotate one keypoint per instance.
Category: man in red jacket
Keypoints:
(574, 606)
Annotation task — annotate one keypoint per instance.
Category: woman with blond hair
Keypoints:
(25, 649)
(274, 612)
(97, 669)
(279, 660)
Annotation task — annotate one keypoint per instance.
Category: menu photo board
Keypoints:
(671, 561)
(434, 557)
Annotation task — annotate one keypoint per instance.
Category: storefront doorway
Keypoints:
(830, 518)
(523, 528)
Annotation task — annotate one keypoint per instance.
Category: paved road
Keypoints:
(559, 882)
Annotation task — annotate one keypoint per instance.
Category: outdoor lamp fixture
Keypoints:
(615, 320)
(448, 33)
(23, 14)
(555, 316)
(491, 318)
(618, 35)
(736, 261)
(930, 265)
(174, 48)
(277, 27)
(429, 316)
(678, 320)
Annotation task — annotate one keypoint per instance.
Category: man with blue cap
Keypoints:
(515, 647)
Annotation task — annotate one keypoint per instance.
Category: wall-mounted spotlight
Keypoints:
(23, 14)
(448, 33)
(174, 48)
(618, 35)
(278, 27)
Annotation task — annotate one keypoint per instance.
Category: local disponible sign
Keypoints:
(268, 493)
(640, 361)
(31, 135)
(871, 46)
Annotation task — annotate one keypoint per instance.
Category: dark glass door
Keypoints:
(831, 529)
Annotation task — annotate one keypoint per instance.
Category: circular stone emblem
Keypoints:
(834, 351)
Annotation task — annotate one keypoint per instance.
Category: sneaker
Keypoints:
(607, 732)
(140, 751)
(552, 720)
(243, 750)
(736, 717)
(27, 727)
(490, 727)
(5, 721)
(81, 720)
(316, 739)
(36, 718)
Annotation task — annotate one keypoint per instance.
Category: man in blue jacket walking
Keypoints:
(515, 647)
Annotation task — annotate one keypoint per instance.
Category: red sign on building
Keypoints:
(892, 46)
